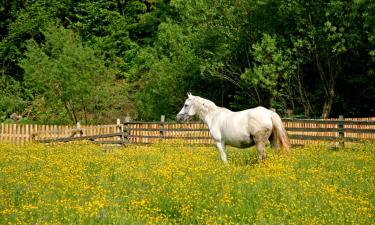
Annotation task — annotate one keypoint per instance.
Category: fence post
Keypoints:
(79, 130)
(162, 120)
(340, 126)
(126, 129)
(2, 132)
(118, 129)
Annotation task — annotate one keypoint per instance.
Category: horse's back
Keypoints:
(259, 118)
(239, 127)
(254, 117)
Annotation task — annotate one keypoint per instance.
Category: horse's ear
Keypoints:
(189, 95)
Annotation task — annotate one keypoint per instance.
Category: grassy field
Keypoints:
(174, 184)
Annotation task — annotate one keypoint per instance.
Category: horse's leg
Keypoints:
(260, 139)
(261, 150)
(221, 147)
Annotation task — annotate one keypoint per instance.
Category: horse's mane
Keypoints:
(204, 106)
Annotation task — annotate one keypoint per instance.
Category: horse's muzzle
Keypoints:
(181, 118)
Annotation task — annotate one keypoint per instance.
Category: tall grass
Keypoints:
(174, 184)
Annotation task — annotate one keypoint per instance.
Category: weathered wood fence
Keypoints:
(300, 131)
(338, 131)
(26, 133)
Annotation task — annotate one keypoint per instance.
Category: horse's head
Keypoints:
(188, 110)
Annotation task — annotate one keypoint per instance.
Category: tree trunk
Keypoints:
(329, 85)
(303, 98)
(269, 100)
(328, 101)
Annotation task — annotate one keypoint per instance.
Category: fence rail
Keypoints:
(339, 131)
(26, 133)
(192, 133)
(300, 131)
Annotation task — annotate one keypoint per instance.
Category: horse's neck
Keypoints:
(207, 119)
(206, 109)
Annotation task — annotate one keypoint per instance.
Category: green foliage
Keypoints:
(304, 57)
(11, 100)
(106, 25)
(272, 68)
(328, 37)
(166, 74)
(25, 20)
(67, 77)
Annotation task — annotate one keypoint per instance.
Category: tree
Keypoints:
(306, 57)
(25, 20)
(271, 71)
(165, 77)
(328, 36)
(11, 100)
(62, 74)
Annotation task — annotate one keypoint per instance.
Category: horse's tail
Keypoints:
(279, 138)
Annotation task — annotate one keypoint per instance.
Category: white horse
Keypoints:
(239, 129)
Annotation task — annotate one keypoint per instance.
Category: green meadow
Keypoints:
(172, 183)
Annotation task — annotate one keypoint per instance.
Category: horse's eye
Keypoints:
(186, 105)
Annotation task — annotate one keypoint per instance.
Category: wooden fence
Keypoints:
(26, 133)
(338, 131)
(192, 133)
(300, 131)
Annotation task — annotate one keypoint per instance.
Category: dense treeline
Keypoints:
(91, 61)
